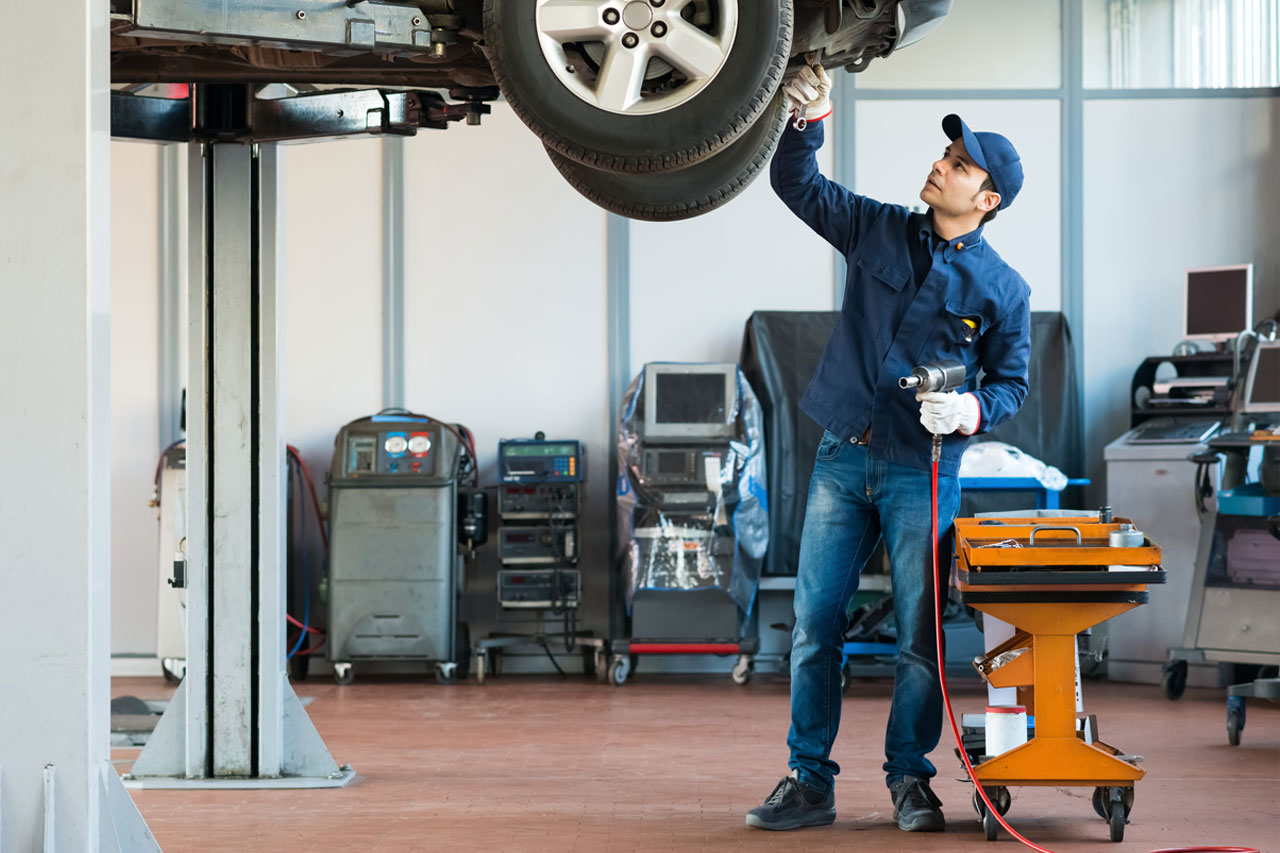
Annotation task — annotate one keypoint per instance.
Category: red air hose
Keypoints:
(951, 717)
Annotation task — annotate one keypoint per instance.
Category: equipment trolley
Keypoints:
(1051, 582)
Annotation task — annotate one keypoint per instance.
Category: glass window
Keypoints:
(1182, 44)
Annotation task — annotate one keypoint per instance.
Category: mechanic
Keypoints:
(921, 287)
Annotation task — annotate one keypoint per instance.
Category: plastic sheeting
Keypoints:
(997, 459)
(717, 544)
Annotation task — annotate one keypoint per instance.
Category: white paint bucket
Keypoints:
(1006, 728)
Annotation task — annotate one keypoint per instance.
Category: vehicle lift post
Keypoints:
(235, 720)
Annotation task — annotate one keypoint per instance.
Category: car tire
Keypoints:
(688, 192)
(723, 107)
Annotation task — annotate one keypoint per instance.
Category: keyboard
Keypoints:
(1173, 432)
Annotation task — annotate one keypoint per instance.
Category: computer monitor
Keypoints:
(1262, 385)
(1219, 302)
(689, 402)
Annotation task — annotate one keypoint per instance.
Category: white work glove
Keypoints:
(943, 414)
(809, 95)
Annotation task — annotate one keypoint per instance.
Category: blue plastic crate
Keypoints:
(1249, 499)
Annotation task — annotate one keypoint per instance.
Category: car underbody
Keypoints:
(652, 109)
(437, 44)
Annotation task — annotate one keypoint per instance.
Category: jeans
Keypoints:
(853, 501)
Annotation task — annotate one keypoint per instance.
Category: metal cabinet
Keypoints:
(1155, 484)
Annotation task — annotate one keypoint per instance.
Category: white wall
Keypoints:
(695, 283)
(332, 229)
(898, 141)
(506, 276)
(505, 313)
(135, 441)
(1169, 184)
(982, 44)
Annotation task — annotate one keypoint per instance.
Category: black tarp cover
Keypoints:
(781, 349)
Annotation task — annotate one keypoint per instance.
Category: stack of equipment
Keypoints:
(692, 513)
(540, 507)
(399, 521)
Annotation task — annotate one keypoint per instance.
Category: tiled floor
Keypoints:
(673, 763)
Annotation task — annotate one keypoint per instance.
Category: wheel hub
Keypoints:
(637, 15)
(636, 57)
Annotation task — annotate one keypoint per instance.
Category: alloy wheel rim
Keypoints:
(636, 57)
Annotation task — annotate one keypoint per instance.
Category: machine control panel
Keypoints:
(537, 461)
(535, 501)
(539, 588)
(405, 452)
(691, 467)
(537, 544)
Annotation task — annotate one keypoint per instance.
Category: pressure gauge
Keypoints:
(396, 443)
(419, 443)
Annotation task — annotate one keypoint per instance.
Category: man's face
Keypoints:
(954, 186)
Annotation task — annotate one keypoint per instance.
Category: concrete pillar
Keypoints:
(58, 790)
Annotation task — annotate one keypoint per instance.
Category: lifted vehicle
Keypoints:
(654, 109)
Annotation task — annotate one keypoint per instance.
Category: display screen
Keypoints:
(360, 453)
(673, 463)
(521, 538)
(1266, 378)
(539, 450)
(1218, 301)
(690, 398)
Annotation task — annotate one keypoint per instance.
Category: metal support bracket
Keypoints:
(355, 27)
(323, 115)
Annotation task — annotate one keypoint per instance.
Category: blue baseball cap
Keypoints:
(992, 152)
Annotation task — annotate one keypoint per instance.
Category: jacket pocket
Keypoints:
(887, 270)
(963, 326)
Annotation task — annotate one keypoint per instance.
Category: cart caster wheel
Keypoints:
(990, 826)
(601, 666)
(479, 666)
(446, 672)
(999, 796)
(1117, 821)
(743, 668)
(1099, 802)
(619, 670)
(343, 674)
(1235, 724)
(1175, 679)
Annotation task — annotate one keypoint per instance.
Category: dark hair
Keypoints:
(988, 186)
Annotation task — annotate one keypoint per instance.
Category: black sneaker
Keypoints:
(793, 805)
(915, 807)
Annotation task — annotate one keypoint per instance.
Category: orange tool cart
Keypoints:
(1052, 579)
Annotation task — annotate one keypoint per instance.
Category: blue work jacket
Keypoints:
(855, 385)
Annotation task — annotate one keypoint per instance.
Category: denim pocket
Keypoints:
(829, 447)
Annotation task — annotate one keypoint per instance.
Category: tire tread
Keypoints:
(664, 162)
(580, 179)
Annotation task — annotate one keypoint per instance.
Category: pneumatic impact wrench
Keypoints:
(940, 376)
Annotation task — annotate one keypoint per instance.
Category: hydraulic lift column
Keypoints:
(235, 720)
